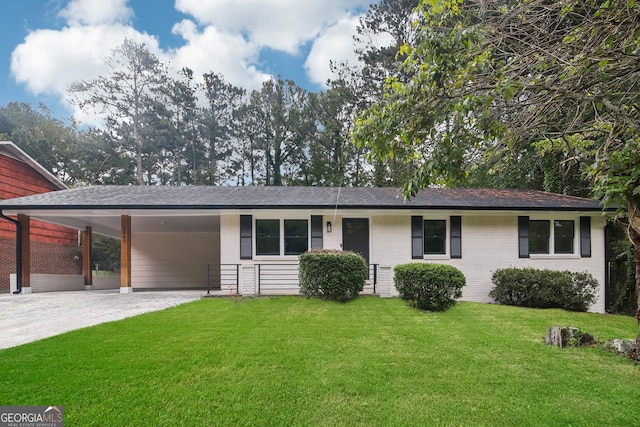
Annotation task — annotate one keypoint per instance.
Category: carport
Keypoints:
(174, 242)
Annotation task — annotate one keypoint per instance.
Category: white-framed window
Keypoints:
(553, 236)
(267, 237)
(564, 236)
(436, 238)
(280, 237)
(296, 236)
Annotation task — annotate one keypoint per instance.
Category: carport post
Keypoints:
(125, 254)
(87, 241)
(18, 251)
(25, 222)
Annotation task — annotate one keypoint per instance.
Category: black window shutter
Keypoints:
(585, 236)
(417, 233)
(246, 238)
(523, 236)
(455, 232)
(316, 231)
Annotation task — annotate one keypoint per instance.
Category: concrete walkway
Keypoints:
(26, 318)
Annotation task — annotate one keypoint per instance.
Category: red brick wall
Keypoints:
(18, 179)
(53, 248)
(46, 258)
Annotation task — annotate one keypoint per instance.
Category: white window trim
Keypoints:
(576, 234)
(447, 239)
(281, 256)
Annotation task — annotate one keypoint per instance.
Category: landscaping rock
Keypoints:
(623, 345)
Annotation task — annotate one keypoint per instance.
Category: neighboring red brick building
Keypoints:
(54, 249)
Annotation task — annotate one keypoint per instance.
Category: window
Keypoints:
(295, 236)
(540, 233)
(267, 237)
(435, 235)
(428, 237)
(270, 241)
(552, 236)
(563, 233)
(539, 237)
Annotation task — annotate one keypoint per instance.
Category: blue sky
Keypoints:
(47, 44)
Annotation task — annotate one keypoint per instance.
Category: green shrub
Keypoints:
(332, 275)
(530, 287)
(429, 286)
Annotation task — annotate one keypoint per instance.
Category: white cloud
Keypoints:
(334, 44)
(224, 36)
(96, 12)
(214, 51)
(279, 24)
(49, 60)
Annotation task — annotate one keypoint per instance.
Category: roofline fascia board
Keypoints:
(18, 208)
(22, 156)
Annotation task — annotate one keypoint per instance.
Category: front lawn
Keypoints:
(292, 361)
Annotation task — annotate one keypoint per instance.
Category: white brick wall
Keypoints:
(489, 242)
(248, 280)
(390, 240)
(230, 239)
(332, 240)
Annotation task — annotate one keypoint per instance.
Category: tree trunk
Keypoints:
(633, 230)
(194, 165)
(559, 335)
(567, 336)
(277, 164)
(213, 164)
(635, 239)
(140, 171)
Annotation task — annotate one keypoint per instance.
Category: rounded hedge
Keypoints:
(427, 286)
(534, 288)
(332, 275)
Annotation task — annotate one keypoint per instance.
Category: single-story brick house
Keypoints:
(247, 239)
(54, 249)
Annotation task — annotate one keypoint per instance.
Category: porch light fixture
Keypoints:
(328, 226)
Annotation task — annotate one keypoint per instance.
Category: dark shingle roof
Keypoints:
(199, 197)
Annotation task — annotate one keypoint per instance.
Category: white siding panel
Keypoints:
(173, 260)
(56, 282)
(106, 282)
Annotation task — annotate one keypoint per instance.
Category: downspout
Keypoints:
(18, 251)
(607, 265)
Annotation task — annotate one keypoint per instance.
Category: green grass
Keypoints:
(293, 361)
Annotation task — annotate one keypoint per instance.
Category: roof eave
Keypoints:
(8, 207)
(11, 149)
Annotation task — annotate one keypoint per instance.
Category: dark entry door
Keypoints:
(355, 236)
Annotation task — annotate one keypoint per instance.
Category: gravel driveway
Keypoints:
(30, 317)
